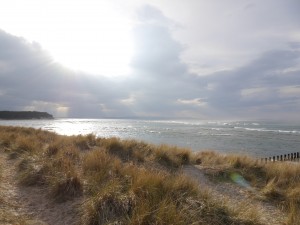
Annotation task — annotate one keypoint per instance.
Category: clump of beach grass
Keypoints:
(173, 157)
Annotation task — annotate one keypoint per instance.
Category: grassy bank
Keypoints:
(130, 182)
(276, 182)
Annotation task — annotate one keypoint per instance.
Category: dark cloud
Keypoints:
(267, 84)
(31, 80)
(160, 77)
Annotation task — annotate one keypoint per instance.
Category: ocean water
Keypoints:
(254, 138)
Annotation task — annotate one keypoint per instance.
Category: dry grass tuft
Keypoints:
(172, 156)
(115, 146)
(109, 208)
(272, 192)
(66, 188)
(53, 148)
(33, 175)
(97, 160)
(84, 142)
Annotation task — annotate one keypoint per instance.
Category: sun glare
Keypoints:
(98, 42)
(100, 46)
(91, 36)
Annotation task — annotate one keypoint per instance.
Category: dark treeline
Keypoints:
(19, 115)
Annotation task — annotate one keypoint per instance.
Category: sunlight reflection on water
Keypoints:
(254, 138)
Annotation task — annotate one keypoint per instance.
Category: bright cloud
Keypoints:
(90, 36)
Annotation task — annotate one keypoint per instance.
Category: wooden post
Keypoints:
(277, 158)
(284, 157)
(281, 158)
(288, 157)
(274, 158)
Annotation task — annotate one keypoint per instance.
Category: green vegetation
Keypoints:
(130, 182)
(20, 115)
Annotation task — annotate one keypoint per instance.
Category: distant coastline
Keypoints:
(24, 115)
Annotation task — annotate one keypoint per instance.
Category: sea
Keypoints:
(255, 138)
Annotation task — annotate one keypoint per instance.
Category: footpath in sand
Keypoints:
(30, 205)
(236, 195)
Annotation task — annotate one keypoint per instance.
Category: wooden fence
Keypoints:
(286, 157)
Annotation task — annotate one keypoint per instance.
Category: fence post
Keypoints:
(295, 156)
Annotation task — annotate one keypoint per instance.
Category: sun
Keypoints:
(98, 42)
(87, 35)
(106, 51)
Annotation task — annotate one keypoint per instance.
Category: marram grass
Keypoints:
(131, 182)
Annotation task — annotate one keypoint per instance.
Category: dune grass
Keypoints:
(277, 182)
(131, 182)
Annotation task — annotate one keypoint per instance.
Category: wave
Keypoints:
(207, 124)
(221, 134)
(288, 131)
(268, 130)
(212, 134)
(154, 132)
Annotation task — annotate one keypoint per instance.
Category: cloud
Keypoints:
(225, 35)
(160, 85)
(32, 80)
(156, 52)
(193, 102)
(160, 78)
(265, 85)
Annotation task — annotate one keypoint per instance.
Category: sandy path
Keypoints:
(31, 205)
(10, 207)
(269, 214)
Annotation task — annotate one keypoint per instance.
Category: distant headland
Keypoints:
(24, 115)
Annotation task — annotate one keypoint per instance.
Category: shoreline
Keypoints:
(198, 136)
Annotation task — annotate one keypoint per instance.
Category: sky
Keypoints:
(229, 59)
